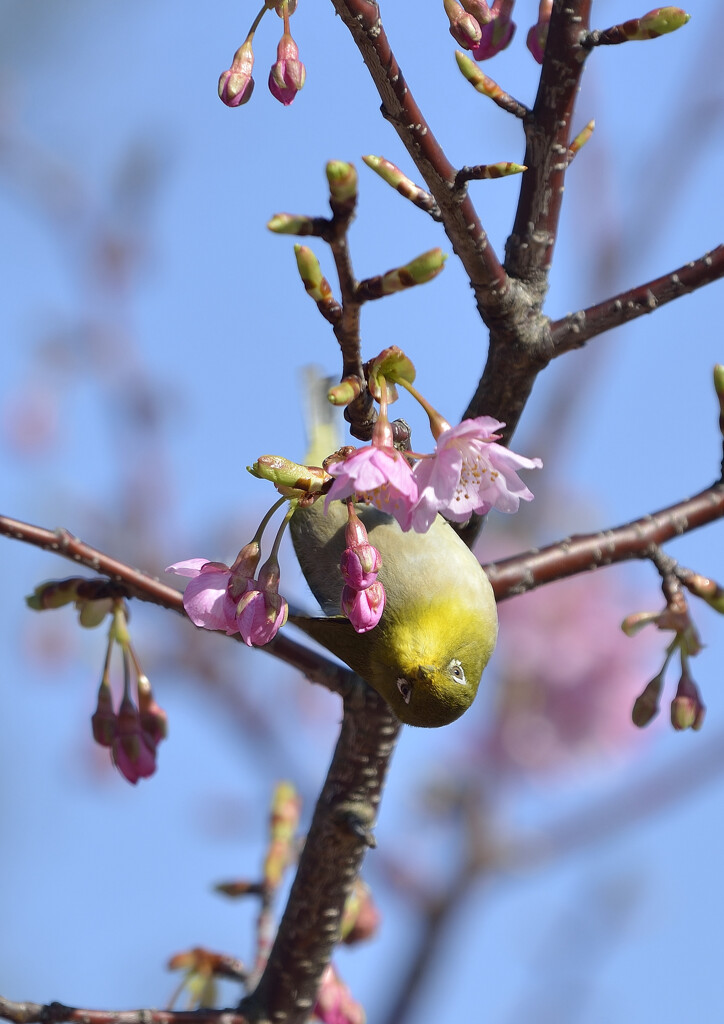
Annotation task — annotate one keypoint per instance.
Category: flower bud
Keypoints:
(498, 32)
(236, 85)
(286, 805)
(687, 707)
(538, 34)
(463, 27)
(103, 720)
(361, 918)
(287, 74)
(363, 608)
(360, 566)
(262, 611)
(154, 719)
(646, 705)
(133, 752)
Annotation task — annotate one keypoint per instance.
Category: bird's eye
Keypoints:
(405, 689)
(457, 671)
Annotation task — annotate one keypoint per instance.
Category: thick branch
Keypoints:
(340, 833)
(529, 249)
(575, 329)
(58, 1013)
(584, 552)
(457, 212)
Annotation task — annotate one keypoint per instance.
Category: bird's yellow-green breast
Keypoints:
(439, 626)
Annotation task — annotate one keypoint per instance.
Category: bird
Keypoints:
(439, 626)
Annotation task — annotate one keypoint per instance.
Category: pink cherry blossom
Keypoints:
(377, 474)
(206, 599)
(469, 473)
(363, 608)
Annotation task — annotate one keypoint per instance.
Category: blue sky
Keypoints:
(102, 882)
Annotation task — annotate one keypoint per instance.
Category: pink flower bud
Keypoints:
(498, 32)
(538, 33)
(154, 719)
(360, 566)
(463, 27)
(287, 74)
(687, 707)
(236, 85)
(363, 608)
(133, 751)
(260, 615)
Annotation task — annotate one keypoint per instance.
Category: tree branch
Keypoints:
(459, 217)
(529, 250)
(143, 587)
(338, 838)
(584, 552)
(58, 1013)
(575, 329)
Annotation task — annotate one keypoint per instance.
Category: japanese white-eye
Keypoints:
(439, 626)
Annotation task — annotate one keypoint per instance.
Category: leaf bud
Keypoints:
(291, 224)
(342, 179)
(287, 474)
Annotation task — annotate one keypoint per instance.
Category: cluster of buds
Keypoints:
(133, 733)
(234, 598)
(486, 30)
(363, 596)
(687, 707)
(287, 73)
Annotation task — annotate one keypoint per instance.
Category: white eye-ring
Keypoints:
(457, 671)
(405, 689)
